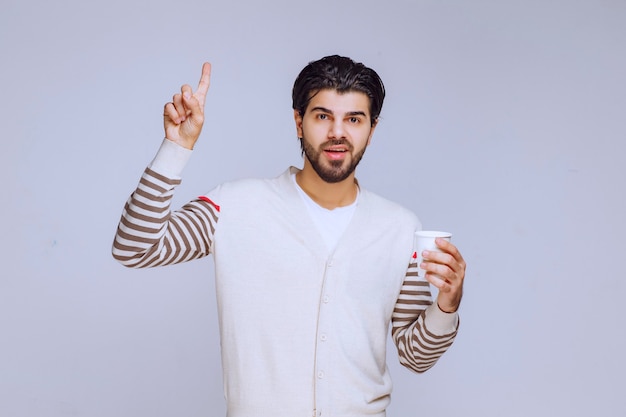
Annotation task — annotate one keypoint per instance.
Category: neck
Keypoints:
(328, 195)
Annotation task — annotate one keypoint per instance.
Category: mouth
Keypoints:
(336, 149)
(336, 152)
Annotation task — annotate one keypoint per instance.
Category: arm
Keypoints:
(149, 233)
(421, 331)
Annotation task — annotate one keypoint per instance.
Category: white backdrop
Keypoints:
(504, 123)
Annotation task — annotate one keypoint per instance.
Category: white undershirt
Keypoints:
(330, 223)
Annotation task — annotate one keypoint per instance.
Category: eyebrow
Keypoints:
(350, 113)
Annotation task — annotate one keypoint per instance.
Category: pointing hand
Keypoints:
(183, 117)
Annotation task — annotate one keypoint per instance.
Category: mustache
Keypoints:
(337, 142)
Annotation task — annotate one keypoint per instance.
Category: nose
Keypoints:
(337, 130)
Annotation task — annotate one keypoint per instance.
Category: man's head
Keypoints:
(336, 106)
(343, 75)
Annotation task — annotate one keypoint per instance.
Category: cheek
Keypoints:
(313, 130)
(362, 136)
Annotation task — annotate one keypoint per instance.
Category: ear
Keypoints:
(298, 119)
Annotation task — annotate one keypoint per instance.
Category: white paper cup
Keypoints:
(425, 240)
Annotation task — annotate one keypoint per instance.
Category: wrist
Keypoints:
(447, 309)
(171, 158)
(447, 304)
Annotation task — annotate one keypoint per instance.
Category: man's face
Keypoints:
(335, 130)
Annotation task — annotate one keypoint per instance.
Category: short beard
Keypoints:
(336, 172)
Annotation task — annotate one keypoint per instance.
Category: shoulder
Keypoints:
(257, 184)
(387, 210)
(250, 188)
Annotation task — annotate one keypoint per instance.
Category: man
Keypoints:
(310, 267)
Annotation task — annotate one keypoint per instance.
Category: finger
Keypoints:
(450, 248)
(435, 280)
(194, 110)
(446, 246)
(177, 101)
(203, 85)
(443, 272)
(441, 258)
(186, 91)
(170, 112)
(181, 102)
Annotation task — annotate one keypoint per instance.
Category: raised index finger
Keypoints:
(203, 85)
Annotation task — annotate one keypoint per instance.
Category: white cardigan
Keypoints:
(302, 333)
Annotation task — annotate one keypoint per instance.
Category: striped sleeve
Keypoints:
(420, 342)
(150, 234)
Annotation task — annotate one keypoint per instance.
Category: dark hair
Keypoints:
(341, 74)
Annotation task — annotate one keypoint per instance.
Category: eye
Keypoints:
(354, 120)
(322, 116)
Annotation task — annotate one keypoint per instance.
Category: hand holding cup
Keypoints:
(441, 264)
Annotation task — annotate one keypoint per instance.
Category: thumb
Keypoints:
(191, 126)
(195, 112)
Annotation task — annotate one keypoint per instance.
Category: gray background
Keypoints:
(504, 123)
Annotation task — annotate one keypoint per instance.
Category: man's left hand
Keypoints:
(446, 271)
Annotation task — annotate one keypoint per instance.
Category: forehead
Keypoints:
(340, 102)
